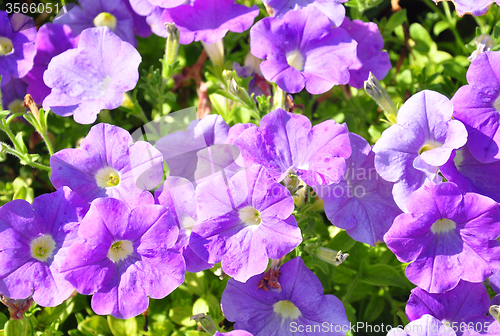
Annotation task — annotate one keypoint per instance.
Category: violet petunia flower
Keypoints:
(13, 92)
(369, 54)
(287, 145)
(361, 203)
(210, 20)
(333, 9)
(427, 325)
(122, 256)
(471, 175)
(300, 305)
(51, 40)
(107, 164)
(303, 50)
(34, 239)
(17, 45)
(477, 105)
(447, 236)
(93, 77)
(410, 152)
(472, 7)
(117, 15)
(178, 194)
(243, 222)
(233, 333)
(463, 307)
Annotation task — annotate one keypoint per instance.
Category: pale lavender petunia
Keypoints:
(51, 40)
(427, 325)
(369, 55)
(471, 175)
(287, 145)
(447, 236)
(92, 77)
(331, 8)
(13, 92)
(300, 304)
(410, 152)
(107, 164)
(117, 15)
(477, 105)
(303, 50)
(244, 221)
(17, 45)
(463, 307)
(473, 7)
(178, 194)
(122, 256)
(361, 203)
(34, 239)
(210, 20)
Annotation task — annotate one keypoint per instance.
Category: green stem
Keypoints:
(47, 143)
(14, 152)
(448, 18)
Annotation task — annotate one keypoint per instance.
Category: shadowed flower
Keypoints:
(123, 256)
(107, 164)
(447, 236)
(361, 203)
(17, 45)
(13, 92)
(303, 50)
(477, 105)
(34, 240)
(411, 151)
(300, 304)
(473, 7)
(93, 77)
(243, 222)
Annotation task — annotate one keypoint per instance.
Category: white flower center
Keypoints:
(287, 310)
(459, 157)
(295, 59)
(6, 46)
(443, 225)
(105, 84)
(249, 215)
(107, 177)
(15, 106)
(496, 104)
(42, 247)
(120, 250)
(428, 146)
(105, 19)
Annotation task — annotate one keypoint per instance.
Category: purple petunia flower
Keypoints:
(427, 325)
(463, 307)
(473, 7)
(447, 236)
(477, 105)
(471, 175)
(92, 77)
(411, 151)
(117, 15)
(34, 239)
(287, 145)
(303, 50)
(123, 256)
(370, 57)
(210, 20)
(361, 202)
(233, 333)
(243, 222)
(333, 9)
(17, 45)
(52, 40)
(108, 165)
(300, 305)
(13, 92)
(178, 195)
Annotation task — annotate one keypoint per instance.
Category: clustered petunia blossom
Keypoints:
(303, 50)
(122, 256)
(93, 77)
(300, 303)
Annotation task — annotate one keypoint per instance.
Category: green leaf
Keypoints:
(374, 309)
(3, 114)
(20, 146)
(382, 275)
(95, 325)
(182, 316)
(22, 327)
(3, 320)
(422, 38)
(440, 27)
(200, 306)
(122, 327)
(395, 20)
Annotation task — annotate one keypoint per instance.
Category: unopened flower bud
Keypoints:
(332, 257)
(171, 49)
(380, 95)
(206, 322)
